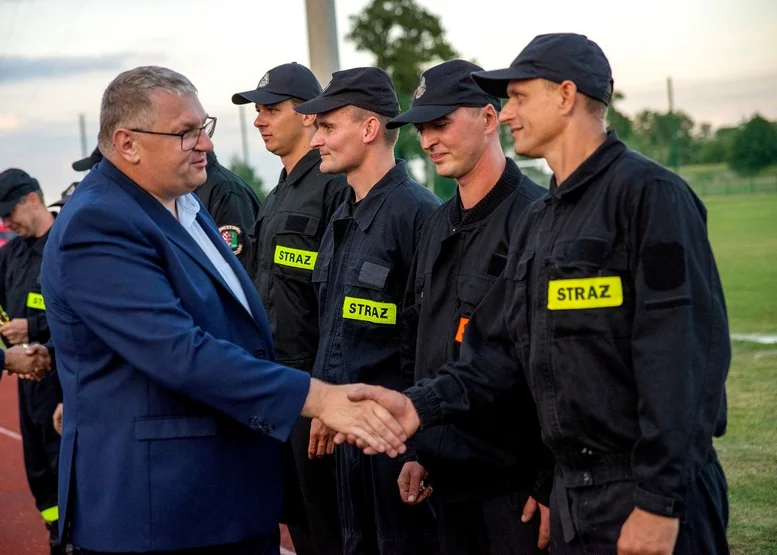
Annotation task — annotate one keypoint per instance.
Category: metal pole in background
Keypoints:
(243, 133)
(674, 159)
(322, 39)
(82, 128)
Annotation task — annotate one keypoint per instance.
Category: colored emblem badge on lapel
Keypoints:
(233, 236)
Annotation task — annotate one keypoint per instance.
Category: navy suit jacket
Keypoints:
(175, 413)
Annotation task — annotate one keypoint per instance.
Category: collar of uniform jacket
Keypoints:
(609, 150)
(506, 184)
(305, 164)
(369, 205)
(39, 243)
(210, 159)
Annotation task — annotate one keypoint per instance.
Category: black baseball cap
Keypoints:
(15, 185)
(85, 164)
(66, 194)
(556, 57)
(369, 88)
(281, 83)
(443, 89)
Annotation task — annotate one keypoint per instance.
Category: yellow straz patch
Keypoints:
(296, 258)
(369, 311)
(35, 300)
(577, 294)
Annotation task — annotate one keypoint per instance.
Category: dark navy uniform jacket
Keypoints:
(459, 258)
(285, 241)
(612, 302)
(360, 278)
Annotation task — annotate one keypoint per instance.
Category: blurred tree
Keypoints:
(248, 174)
(653, 135)
(754, 147)
(618, 121)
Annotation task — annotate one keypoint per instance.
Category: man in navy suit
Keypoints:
(175, 412)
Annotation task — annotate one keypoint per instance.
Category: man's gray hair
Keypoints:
(128, 101)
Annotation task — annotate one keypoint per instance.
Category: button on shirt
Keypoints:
(188, 208)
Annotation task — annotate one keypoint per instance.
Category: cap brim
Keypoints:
(258, 96)
(6, 207)
(83, 164)
(421, 114)
(495, 82)
(319, 105)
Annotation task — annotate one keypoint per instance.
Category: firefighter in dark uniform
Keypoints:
(462, 251)
(230, 201)
(23, 211)
(612, 302)
(360, 277)
(285, 242)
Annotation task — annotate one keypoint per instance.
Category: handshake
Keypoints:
(29, 363)
(373, 418)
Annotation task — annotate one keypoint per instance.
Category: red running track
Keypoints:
(21, 528)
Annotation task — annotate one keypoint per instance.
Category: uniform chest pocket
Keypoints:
(589, 288)
(470, 291)
(369, 295)
(296, 244)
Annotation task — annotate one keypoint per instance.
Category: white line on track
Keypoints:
(12, 434)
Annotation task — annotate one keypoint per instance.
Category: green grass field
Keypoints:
(743, 231)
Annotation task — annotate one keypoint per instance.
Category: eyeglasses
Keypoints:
(189, 139)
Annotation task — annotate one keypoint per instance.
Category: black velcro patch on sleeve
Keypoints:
(664, 266)
(296, 223)
(497, 265)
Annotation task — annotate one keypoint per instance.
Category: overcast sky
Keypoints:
(57, 56)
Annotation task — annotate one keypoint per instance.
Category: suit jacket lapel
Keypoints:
(254, 302)
(178, 235)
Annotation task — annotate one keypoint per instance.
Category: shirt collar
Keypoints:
(610, 149)
(368, 207)
(305, 164)
(188, 208)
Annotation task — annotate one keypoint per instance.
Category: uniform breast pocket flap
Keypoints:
(373, 275)
(472, 289)
(296, 245)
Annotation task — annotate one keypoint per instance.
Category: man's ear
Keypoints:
(124, 145)
(371, 130)
(567, 96)
(309, 120)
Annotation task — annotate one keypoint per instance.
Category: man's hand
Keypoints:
(31, 363)
(528, 512)
(646, 533)
(57, 419)
(16, 331)
(322, 440)
(411, 483)
(397, 404)
(364, 420)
